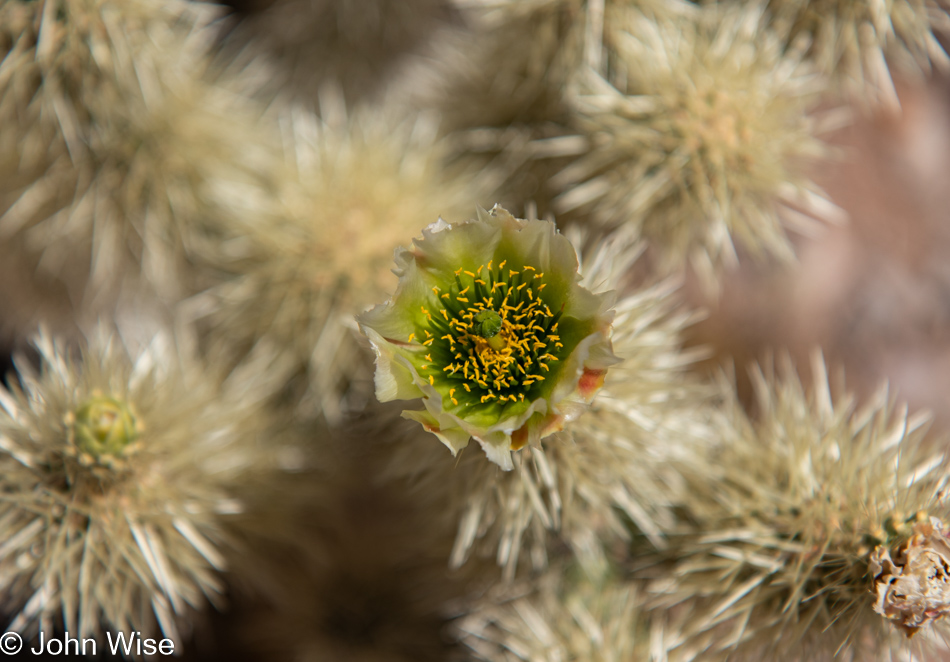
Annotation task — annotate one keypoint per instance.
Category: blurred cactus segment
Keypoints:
(117, 500)
(513, 62)
(319, 251)
(310, 44)
(697, 136)
(111, 136)
(858, 42)
(562, 615)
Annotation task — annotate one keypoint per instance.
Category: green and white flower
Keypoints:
(490, 327)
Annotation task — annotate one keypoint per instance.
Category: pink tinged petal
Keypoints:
(591, 382)
(550, 425)
(591, 353)
(519, 438)
(539, 427)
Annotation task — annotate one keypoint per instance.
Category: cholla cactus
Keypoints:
(560, 616)
(698, 139)
(611, 465)
(472, 331)
(362, 182)
(501, 84)
(653, 516)
(119, 473)
(800, 526)
(510, 67)
(110, 136)
(313, 43)
(852, 41)
(513, 64)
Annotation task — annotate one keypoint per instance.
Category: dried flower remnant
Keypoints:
(490, 327)
(121, 470)
(912, 588)
(699, 141)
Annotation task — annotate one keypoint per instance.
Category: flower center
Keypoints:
(492, 337)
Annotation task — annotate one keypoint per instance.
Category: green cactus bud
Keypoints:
(104, 425)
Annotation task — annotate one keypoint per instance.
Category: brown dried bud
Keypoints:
(913, 587)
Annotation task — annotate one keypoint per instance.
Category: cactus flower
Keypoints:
(490, 327)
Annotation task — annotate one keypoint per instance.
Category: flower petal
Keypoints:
(455, 439)
(394, 379)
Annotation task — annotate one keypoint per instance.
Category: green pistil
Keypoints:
(491, 338)
(488, 324)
